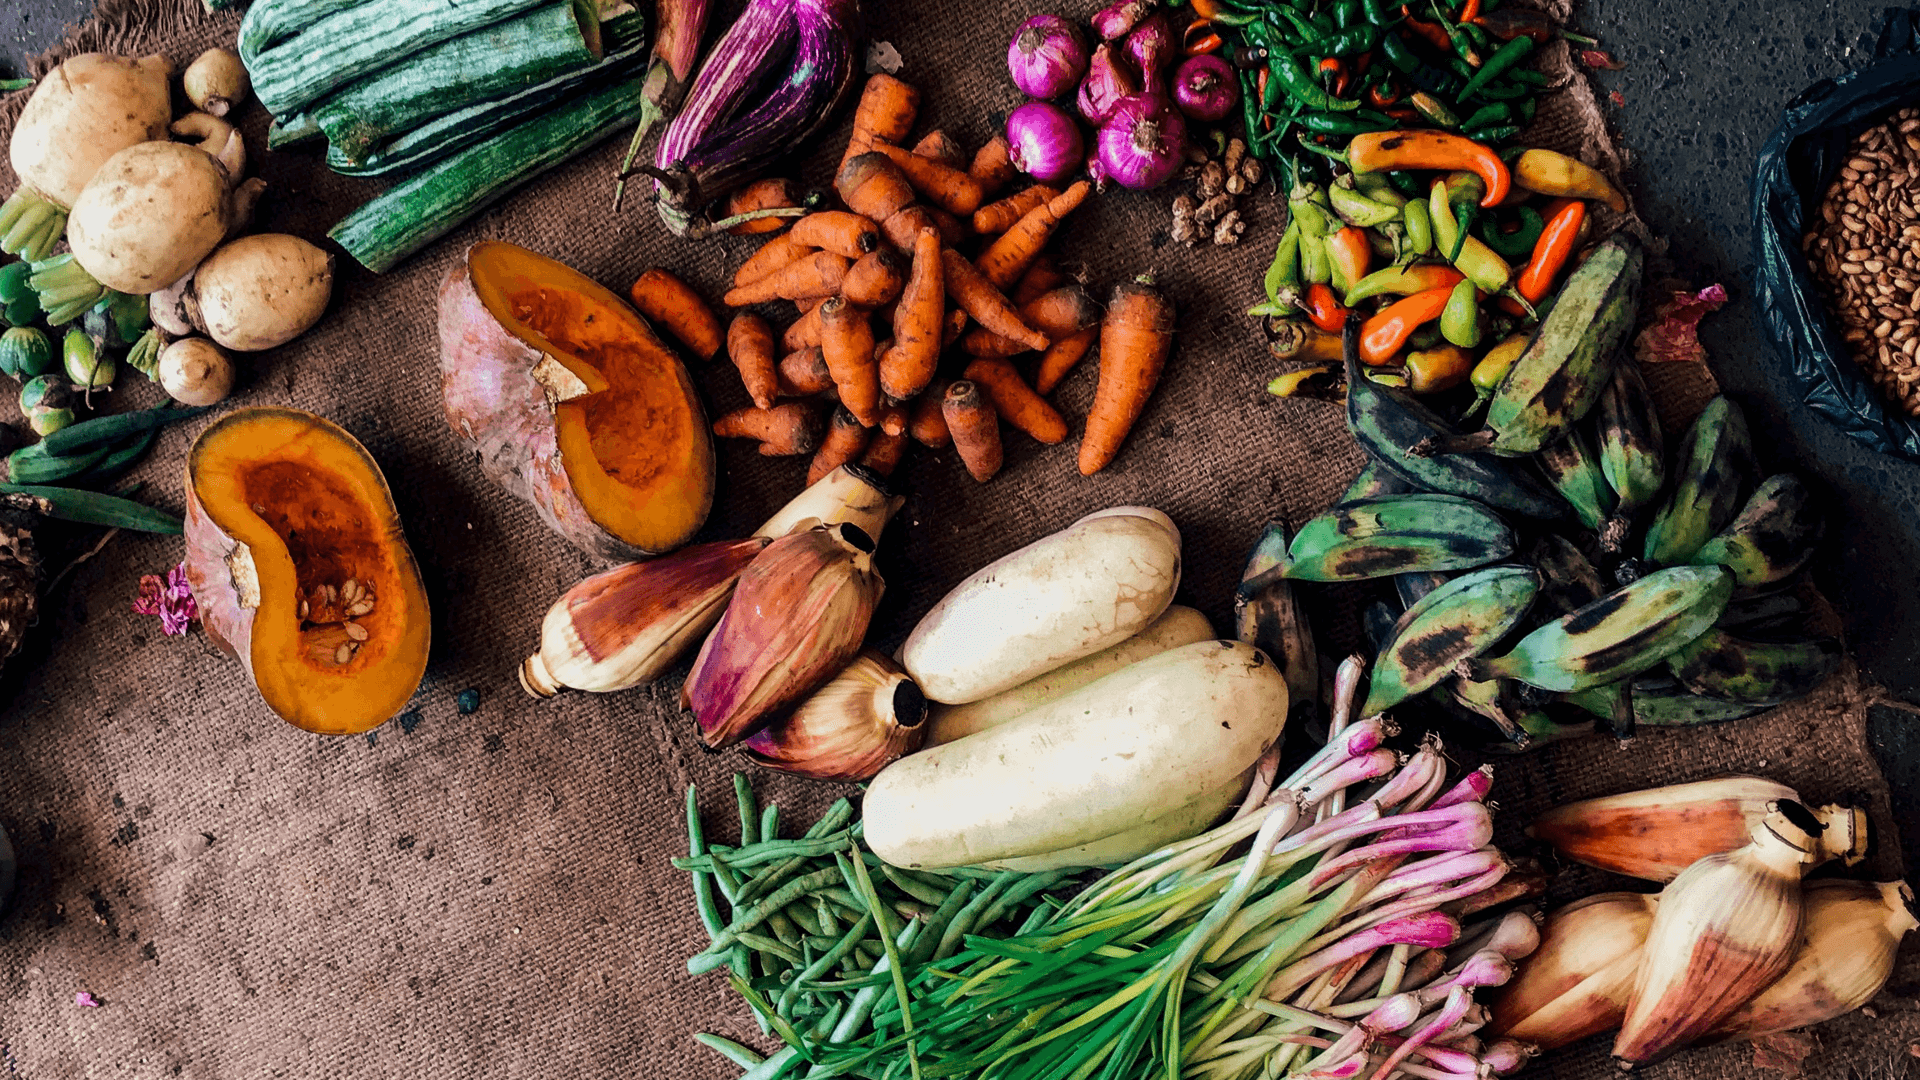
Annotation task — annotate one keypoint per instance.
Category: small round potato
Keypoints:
(195, 371)
(261, 291)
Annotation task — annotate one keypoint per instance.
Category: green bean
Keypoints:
(860, 982)
(803, 918)
(727, 1048)
(774, 1067)
(919, 890)
(894, 963)
(929, 938)
(1026, 888)
(749, 811)
(729, 883)
(703, 885)
(829, 925)
(783, 928)
(835, 818)
(752, 916)
(769, 822)
(770, 946)
(963, 923)
(1496, 65)
(769, 851)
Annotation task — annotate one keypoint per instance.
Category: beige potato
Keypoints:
(261, 291)
(84, 112)
(151, 213)
(194, 371)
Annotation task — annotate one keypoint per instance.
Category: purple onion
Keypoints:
(1047, 57)
(1044, 142)
(1143, 142)
(1150, 45)
(1108, 81)
(1204, 87)
(1112, 23)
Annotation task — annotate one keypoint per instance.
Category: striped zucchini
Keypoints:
(292, 131)
(494, 61)
(345, 45)
(269, 22)
(427, 205)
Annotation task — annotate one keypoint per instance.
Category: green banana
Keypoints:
(1714, 473)
(1762, 614)
(1401, 534)
(1612, 703)
(1631, 449)
(1678, 709)
(1621, 634)
(1375, 482)
(1458, 620)
(1746, 672)
(1267, 617)
(1569, 580)
(1494, 701)
(1574, 471)
(1773, 537)
(1412, 587)
(1385, 421)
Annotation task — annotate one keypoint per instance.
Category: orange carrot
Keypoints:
(903, 228)
(837, 231)
(1015, 250)
(783, 431)
(844, 442)
(1043, 276)
(750, 347)
(1135, 338)
(937, 145)
(1060, 358)
(927, 424)
(907, 368)
(986, 304)
(672, 303)
(803, 373)
(975, 429)
(999, 217)
(803, 331)
(819, 274)
(884, 451)
(893, 419)
(953, 229)
(886, 112)
(944, 186)
(808, 303)
(773, 193)
(1063, 312)
(773, 255)
(956, 322)
(874, 187)
(846, 338)
(993, 165)
(876, 279)
(1015, 401)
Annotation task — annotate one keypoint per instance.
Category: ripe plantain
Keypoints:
(1631, 450)
(1458, 620)
(1773, 537)
(1574, 471)
(1266, 616)
(1400, 534)
(1747, 672)
(1716, 466)
(1375, 482)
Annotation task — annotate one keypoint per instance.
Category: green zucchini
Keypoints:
(509, 56)
(269, 22)
(103, 430)
(292, 131)
(345, 45)
(36, 465)
(626, 42)
(427, 205)
(93, 508)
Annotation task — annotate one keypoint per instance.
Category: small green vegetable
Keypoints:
(65, 289)
(13, 281)
(35, 465)
(106, 430)
(25, 352)
(1419, 227)
(1283, 274)
(1460, 319)
(144, 357)
(88, 366)
(93, 508)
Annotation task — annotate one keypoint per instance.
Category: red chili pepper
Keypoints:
(1362, 62)
(1434, 34)
(1406, 115)
(1200, 38)
(1382, 94)
(1349, 250)
(1470, 11)
(1260, 87)
(1336, 67)
(1553, 249)
(1383, 335)
(1324, 309)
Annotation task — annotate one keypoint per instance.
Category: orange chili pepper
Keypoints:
(1260, 87)
(1470, 11)
(1405, 115)
(1351, 252)
(1385, 333)
(1382, 94)
(1324, 309)
(1200, 38)
(1434, 34)
(1553, 249)
(1341, 75)
(1210, 9)
(1442, 367)
(1380, 151)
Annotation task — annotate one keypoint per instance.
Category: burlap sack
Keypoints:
(489, 895)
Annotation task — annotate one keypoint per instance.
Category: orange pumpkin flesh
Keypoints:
(633, 448)
(280, 504)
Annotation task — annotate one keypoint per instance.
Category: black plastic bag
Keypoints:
(1796, 165)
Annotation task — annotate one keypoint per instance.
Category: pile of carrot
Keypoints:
(900, 337)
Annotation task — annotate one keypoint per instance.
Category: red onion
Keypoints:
(1047, 56)
(1142, 143)
(1151, 45)
(1112, 23)
(1108, 80)
(1204, 87)
(1044, 141)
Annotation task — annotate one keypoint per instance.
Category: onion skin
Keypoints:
(1044, 141)
(1150, 45)
(1113, 23)
(1108, 82)
(1047, 57)
(1142, 144)
(1204, 88)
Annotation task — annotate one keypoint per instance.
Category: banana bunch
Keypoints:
(1563, 562)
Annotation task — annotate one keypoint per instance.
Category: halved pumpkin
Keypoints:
(301, 571)
(573, 403)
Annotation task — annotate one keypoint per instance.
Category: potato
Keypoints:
(261, 291)
(151, 213)
(1117, 752)
(1172, 827)
(1175, 627)
(194, 371)
(83, 112)
(1090, 585)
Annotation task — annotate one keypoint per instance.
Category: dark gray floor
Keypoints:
(28, 26)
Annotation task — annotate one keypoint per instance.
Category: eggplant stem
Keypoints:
(755, 215)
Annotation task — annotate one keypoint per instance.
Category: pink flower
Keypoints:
(1672, 336)
(170, 598)
(84, 999)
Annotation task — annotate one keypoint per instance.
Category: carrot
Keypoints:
(672, 303)
(884, 451)
(937, 145)
(803, 373)
(773, 255)
(1015, 401)
(844, 442)
(750, 346)
(993, 165)
(909, 365)
(782, 431)
(886, 112)
(803, 331)
(837, 231)
(1135, 338)
(997, 218)
(956, 321)
(846, 339)
(807, 303)
(1060, 358)
(874, 187)
(1010, 255)
(1063, 312)
(1043, 276)
(928, 424)
(986, 304)
(975, 429)
(819, 274)
(893, 419)
(903, 228)
(876, 279)
(942, 185)
(953, 228)
(773, 193)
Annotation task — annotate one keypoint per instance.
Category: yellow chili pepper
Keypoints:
(1440, 368)
(1548, 173)
(1482, 265)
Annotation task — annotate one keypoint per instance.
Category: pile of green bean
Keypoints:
(818, 933)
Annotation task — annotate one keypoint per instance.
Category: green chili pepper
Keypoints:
(1419, 227)
(1528, 75)
(1303, 28)
(1357, 209)
(1408, 184)
(1475, 33)
(1489, 115)
(1527, 106)
(1459, 67)
(1346, 13)
(1315, 267)
(1433, 109)
(1283, 274)
(1377, 12)
(1308, 204)
(1350, 41)
(1395, 49)
(1460, 319)
(1493, 134)
(1301, 87)
(1358, 123)
(1517, 245)
(1497, 65)
(1379, 188)
(1504, 91)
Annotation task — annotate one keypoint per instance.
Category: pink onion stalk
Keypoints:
(1429, 929)
(1507, 1055)
(1481, 969)
(1472, 787)
(1440, 869)
(1354, 770)
(1264, 772)
(1414, 776)
(1396, 1013)
(1457, 1005)
(1360, 738)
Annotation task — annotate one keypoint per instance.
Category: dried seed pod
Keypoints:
(863, 719)
(1576, 984)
